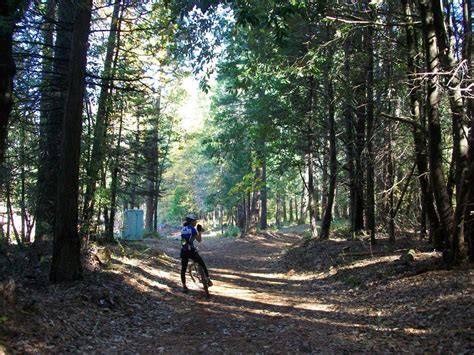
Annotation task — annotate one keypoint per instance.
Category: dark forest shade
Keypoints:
(10, 12)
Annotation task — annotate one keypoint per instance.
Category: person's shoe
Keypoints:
(185, 289)
(209, 283)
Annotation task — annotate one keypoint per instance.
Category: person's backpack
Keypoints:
(187, 238)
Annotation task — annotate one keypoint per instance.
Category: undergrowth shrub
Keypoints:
(231, 231)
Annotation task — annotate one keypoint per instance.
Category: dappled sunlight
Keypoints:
(367, 262)
(148, 282)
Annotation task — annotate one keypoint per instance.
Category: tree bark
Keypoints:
(134, 180)
(358, 208)
(437, 177)
(263, 191)
(419, 137)
(310, 160)
(114, 182)
(284, 209)
(303, 207)
(290, 208)
(370, 169)
(278, 212)
(45, 202)
(445, 40)
(332, 176)
(255, 204)
(468, 56)
(349, 138)
(241, 218)
(66, 263)
(53, 120)
(152, 169)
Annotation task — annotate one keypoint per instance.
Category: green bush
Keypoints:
(231, 231)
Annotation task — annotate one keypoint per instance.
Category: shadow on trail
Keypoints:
(137, 306)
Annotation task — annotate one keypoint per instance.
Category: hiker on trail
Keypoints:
(189, 233)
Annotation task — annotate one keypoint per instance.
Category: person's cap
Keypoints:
(191, 217)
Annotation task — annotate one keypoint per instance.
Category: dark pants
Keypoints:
(185, 256)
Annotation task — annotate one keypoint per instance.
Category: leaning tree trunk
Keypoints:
(66, 263)
(98, 146)
(444, 209)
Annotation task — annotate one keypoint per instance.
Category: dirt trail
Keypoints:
(256, 306)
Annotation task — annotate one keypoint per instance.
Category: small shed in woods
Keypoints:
(132, 225)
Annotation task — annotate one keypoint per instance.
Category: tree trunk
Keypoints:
(45, 202)
(444, 35)
(100, 129)
(114, 182)
(310, 160)
(302, 211)
(297, 217)
(134, 180)
(290, 208)
(263, 191)
(242, 217)
(255, 204)
(468, 56)
(324, 170)
(419, 136)
(437, 177)
(11, 219)
(358, 209)
(49, 170)
(278, 212)
(350, 140)
(332, 175)
(391, 186)
(66, 263)
(284, 210)
(23, 190)
(370, 198)
(152, 169)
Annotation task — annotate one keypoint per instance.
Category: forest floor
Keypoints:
(272, 293)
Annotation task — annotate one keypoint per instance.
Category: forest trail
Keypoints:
(258, 304)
